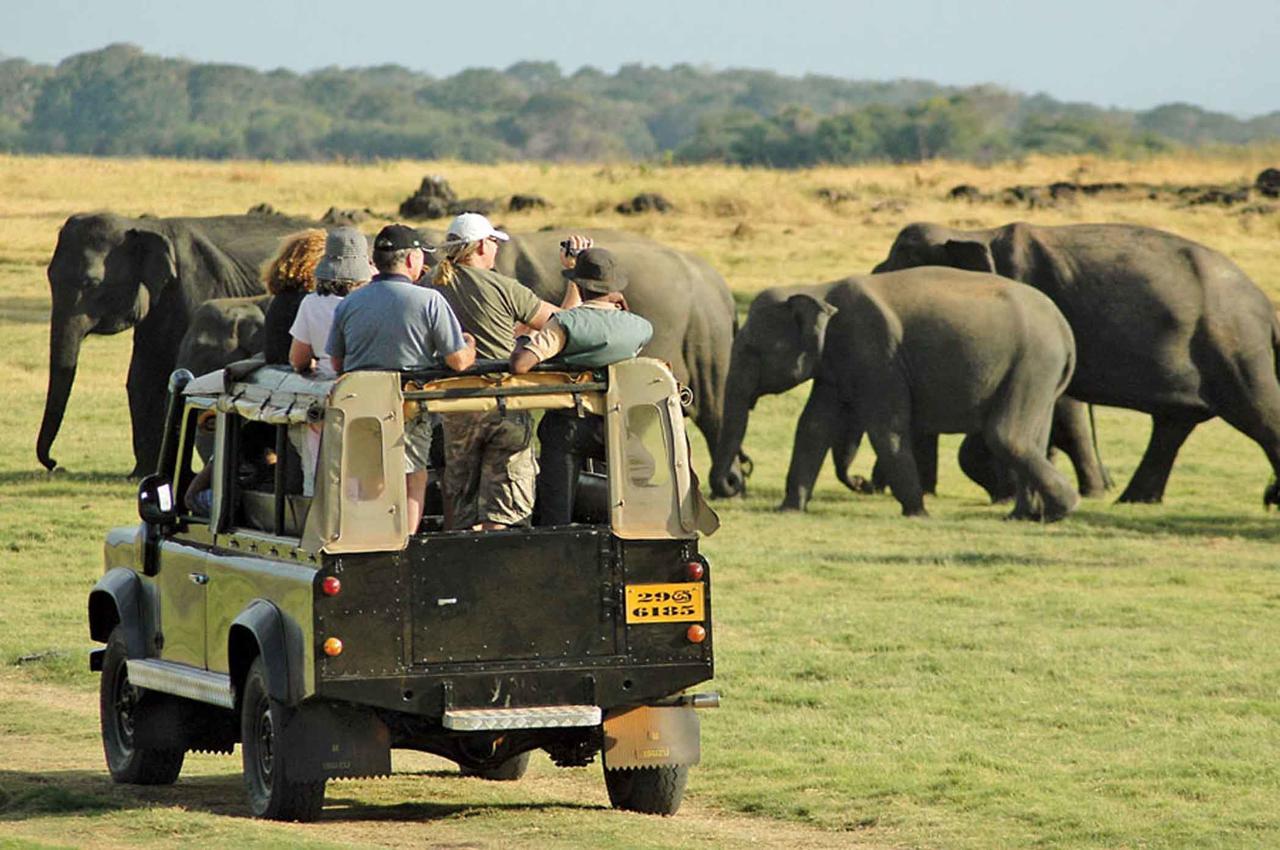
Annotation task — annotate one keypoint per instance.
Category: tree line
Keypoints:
(123, 101)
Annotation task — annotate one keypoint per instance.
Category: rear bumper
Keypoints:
(475, 686)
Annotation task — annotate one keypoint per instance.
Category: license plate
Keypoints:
(665, 603)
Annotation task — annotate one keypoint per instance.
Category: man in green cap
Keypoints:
(599, 332)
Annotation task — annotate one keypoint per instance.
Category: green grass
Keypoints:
(958, 682)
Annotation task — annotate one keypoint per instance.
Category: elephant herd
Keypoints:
(1003, 335)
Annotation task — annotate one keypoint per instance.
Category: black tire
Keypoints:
(649, 790)
(509, 771)
(121, 707)
(272, 794)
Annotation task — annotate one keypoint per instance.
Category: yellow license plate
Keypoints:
(666, 603)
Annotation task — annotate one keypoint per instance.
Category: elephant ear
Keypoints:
(811, 315)
(157, 261)
(971, 256)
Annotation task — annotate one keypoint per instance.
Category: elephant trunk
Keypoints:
(727, 477)
(65, 336)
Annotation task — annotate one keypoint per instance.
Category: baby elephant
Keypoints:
(928, 350)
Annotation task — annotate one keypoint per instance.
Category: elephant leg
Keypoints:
(979, 463)
(1072, 434)
(924, 447)
(1017, 431)
(843, 453)
(1252, 406)
(894, 448)
(816, 432)
(1168, 433)
(147, 388)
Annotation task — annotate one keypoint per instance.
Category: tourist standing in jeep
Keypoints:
(489, 470)
(599, 332)
(391, 323)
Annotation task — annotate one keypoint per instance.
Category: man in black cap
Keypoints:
(599, 332)
(392, 323)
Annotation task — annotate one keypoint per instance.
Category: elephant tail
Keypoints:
(1275, 340)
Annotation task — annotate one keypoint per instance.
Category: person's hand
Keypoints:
(577, 244)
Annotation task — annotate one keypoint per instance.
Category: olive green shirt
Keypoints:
(489, 305)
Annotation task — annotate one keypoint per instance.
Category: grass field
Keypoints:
(957, 682)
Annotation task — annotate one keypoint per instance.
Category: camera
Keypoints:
(569, 250)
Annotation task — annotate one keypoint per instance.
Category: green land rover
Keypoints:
(318, 631)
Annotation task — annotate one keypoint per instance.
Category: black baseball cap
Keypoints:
(596, 270)
(399, 237)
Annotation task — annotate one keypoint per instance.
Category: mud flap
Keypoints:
(652, 736)
(331, 742)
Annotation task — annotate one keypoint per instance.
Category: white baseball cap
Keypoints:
(472, 227)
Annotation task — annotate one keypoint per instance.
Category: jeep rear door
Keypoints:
(512, 596)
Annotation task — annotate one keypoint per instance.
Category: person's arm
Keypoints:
(301, 357)
(464, 358)
(522, 360)
(197, 485)
(540, 316)
(572, 297)
(544, 345)
(335, 344)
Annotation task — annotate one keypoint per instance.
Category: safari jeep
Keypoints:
(319, 632)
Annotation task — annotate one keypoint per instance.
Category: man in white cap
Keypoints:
(490, 471)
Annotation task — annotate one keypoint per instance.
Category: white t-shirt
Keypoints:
(315, 318)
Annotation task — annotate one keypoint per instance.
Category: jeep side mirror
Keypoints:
(155, 501)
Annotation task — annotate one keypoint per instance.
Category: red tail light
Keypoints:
(695, 570)
(331, 586)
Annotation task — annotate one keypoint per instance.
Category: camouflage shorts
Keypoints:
(489, 470)
(417, 443)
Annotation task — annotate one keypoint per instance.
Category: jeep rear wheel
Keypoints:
(268, 760)
(649, 790)
(122, 709)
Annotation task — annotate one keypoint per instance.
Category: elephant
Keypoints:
(109, 273)
(923, 351)
(1163, 325)
(682, 296)
(1070, 433)
(223, 331)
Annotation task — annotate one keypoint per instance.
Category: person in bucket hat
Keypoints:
(599, 332)
(344, 267)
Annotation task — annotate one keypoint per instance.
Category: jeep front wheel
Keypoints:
(122, 709)
(267, 759)
(649, 790)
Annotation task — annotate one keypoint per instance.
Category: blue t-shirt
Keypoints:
(391, 323)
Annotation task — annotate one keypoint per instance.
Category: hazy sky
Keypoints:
(1219, 54)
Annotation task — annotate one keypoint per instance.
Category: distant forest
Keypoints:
(121, 101)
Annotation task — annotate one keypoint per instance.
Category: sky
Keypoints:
(1133, 54)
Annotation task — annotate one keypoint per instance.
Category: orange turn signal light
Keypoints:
(333, 646)
(695, 570)
(331, 586)
(696, 634)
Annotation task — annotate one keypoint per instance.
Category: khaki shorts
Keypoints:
(490, 473)
(417, 444)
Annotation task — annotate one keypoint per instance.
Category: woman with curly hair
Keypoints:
(288, 276)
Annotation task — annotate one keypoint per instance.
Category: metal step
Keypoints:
(534, 717)
(182, 680)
